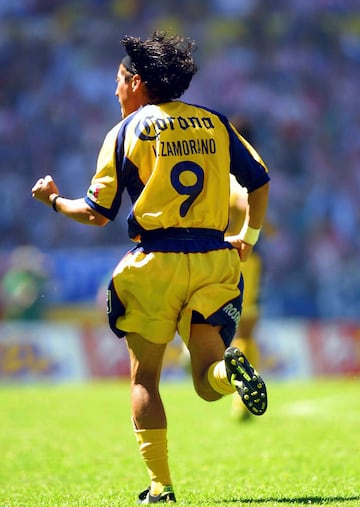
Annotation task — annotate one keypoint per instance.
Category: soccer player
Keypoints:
(174, 159)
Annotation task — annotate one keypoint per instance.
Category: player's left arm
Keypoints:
(46, 191)
(252, 173)
(257, 207)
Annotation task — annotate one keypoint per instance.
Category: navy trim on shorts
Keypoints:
(182, 233)
(182, 240)
(227, 316)
(115, 308)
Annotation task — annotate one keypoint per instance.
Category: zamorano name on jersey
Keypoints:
(184, 147)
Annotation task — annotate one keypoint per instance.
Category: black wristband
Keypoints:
(53, 203)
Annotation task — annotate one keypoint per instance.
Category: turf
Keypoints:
(74, 446)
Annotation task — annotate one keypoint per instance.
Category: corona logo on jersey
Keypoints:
(150, 127)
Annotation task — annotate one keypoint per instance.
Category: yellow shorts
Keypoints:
(157, 294)
(251, 271)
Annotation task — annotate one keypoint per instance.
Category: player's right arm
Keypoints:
(46, 191)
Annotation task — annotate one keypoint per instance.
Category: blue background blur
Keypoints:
(291, 67)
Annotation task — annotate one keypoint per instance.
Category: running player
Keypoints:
(174, 159)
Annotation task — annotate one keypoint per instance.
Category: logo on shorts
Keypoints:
(232, 312)
(108, 301)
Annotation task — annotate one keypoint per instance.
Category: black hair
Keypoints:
(164, 62)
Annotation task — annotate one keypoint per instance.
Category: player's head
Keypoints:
(163, 61)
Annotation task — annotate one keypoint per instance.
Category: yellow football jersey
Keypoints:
(174, 160)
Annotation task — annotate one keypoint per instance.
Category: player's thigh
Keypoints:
(146, 359)
(146, 294)
(205, 346)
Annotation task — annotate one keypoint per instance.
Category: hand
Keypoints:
(244, 249)
(44, 188)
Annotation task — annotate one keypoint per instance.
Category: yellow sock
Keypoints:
(153, 449)
(218, 379)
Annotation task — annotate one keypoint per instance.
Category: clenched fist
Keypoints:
(44, 189)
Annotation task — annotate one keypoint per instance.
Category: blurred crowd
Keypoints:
(291, 67)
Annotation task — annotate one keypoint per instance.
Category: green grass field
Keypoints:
(74, 446)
